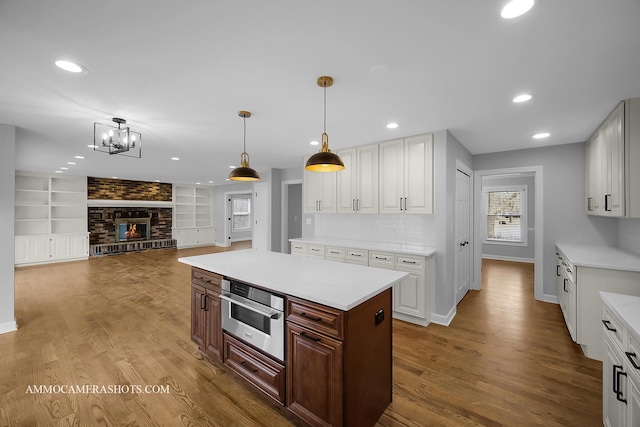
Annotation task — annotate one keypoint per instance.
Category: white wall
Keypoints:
(563, 184)
(7, 195)
(629, 234)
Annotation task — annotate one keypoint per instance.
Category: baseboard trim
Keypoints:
(446, 319)
(8, 327)
(508, 258)
(550, 298)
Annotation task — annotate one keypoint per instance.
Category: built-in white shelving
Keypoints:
(193, 215)
(50, 218)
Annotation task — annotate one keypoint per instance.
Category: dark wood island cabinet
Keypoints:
(337, 368)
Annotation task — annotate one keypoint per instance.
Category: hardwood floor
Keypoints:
(506, 359)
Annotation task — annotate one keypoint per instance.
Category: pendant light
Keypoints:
(244, 171)
(324, 160)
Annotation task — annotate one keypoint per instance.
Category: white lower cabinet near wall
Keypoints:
(187, 237)
(39, 249)
(410, 297)
(584, 271)
(621, 363)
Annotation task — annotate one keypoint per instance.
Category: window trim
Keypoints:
(524, 227)
(248, 214)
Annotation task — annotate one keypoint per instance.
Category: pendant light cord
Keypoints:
(324, 125)
(244, 135)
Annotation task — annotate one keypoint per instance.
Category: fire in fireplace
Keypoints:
(130, 229)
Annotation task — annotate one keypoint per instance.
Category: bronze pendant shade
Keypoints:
(324, 160)
(244, 172)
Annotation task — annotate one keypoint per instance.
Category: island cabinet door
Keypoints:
(213, 326)
(314, 376)
(198, 319)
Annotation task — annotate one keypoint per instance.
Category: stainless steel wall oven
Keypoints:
(253, 315)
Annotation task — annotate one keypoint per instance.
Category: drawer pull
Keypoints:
(408, 262)
(356, 254)
(244, 364)
(204, 280)
(334, 252)
(305, 315)
(382, 257)
(304, 334)
(632, 358)
(315, 249)
(607, 324)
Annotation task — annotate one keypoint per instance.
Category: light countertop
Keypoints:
(600, 257)
(337, 285)
(372, 246)
(627, 309)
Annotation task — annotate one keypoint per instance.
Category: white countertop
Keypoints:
(627, 309)
(600, 257)
(337, 285)
(375, 246)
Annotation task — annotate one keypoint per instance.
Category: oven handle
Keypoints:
(250, 305)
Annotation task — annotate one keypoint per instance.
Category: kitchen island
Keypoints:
(336, 369)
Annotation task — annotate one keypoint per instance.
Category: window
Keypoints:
(504, 210)
(241, 212)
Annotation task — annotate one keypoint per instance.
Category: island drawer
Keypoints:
(258, 369)
(335, 253)
(357, 256)
(205, 278)
(320, 318)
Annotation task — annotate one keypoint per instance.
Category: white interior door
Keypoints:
(261, 236)
(463, 235)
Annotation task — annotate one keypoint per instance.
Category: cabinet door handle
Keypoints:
(353, 204)
(632, 359)
(320, 205)
(401, 203)
(304, 334)
(607, 324)
(558, 270)
(202, 302)
(618, 372)
(405, 203)
(357, 204)
(606, 202)
(564, 285)
(306, 316)
(244, 365)
(590, 204)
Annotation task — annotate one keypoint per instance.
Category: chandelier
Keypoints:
(117, 140)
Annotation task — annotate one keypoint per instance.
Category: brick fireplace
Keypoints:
(128, 216)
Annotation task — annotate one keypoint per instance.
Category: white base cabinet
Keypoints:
(40, 249)
(620, 374)
(411, 297)
(188, 237)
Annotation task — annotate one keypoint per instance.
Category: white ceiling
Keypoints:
(179, 72)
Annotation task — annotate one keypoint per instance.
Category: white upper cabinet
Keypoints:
(357, 184)
(406, 175)
(612, 182)
(319, 191)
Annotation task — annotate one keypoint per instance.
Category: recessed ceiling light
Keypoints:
(175, 158)
(64, 169)
(541, 135)
(227, 179)
(92, 146)
(58, 171)
(524, 97)
(71, 163)
(197, 183)
(314, 143)
(72, 67)
(210, 182)
(232, 167)
(392, 125)
(114, 177)
(516, 8)
(79, 157)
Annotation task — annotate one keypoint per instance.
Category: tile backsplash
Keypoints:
(404, 229)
